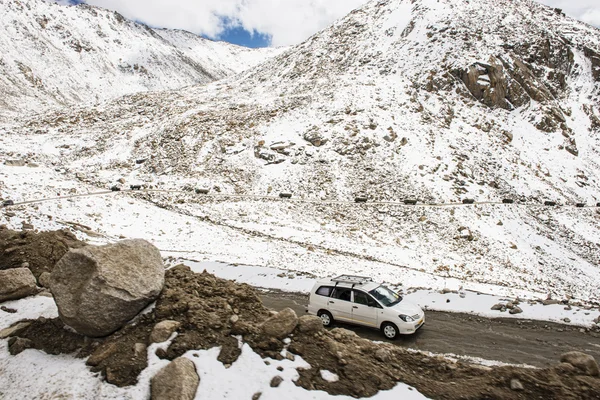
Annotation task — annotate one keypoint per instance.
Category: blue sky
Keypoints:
(242, 37)
(261, 23)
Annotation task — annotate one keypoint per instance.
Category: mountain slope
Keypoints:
(435, 100)
(54, 55)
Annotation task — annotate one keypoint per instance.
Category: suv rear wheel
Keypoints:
(389, 330)
(326, 317)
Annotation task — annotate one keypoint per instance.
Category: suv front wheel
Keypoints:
(326, 317)
(389, 330)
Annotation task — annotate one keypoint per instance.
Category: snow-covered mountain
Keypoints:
(52, 55)
(431, 99)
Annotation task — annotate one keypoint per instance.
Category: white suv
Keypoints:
(359, 300)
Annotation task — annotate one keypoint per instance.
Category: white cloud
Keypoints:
(286, 21)
(584, 10)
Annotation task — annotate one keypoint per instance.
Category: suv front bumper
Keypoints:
(407, 328)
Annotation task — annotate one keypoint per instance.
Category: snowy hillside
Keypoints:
(431, 100)
(53, 55)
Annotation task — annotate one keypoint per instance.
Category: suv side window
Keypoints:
(342, 293)
(360, 298)
(324, 291)
(365, 299)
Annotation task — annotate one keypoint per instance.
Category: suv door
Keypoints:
(365, 309)
(340, 304)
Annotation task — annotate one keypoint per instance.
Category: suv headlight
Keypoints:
(406, 318)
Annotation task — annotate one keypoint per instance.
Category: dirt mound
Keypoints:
(210, 310)
(365, 367)
(37, 251)
(204, 306)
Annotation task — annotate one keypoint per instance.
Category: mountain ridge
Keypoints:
(56, 56)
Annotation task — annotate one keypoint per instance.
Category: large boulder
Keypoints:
(17, 283)
(177, 381)
(99, 288)
(281, 324)
(584, 362)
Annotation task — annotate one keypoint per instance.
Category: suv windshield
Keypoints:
(386, 296)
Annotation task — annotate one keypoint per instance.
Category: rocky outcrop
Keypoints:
(487, 83)
(177, 381)
(17, 283)
(99, 288)
(595, 59)
(529, 71)
(503, 84)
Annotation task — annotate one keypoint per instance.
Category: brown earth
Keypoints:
(37, 251)
(211, 310)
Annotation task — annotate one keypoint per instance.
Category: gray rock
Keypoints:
(310, 324)
(281, 145)
(262, 153)
(163, 330)
(498, 307)
(516, 384)
(584, 362)
(44, 279)
(99, 288)
(508, 135)
(315, 138)
(15, 163)
(13, 330)
(177, 381)
(140, 349)
(281, 324)
(17, 345)
(102, 353)
(16, 283)
(276, 381)
(516, 310)
(549, 302)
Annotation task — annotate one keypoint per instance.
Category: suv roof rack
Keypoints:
(353, 279)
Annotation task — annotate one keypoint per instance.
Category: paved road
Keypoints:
(225, 197)
(535, 343)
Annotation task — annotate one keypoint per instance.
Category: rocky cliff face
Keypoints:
(53, 56)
